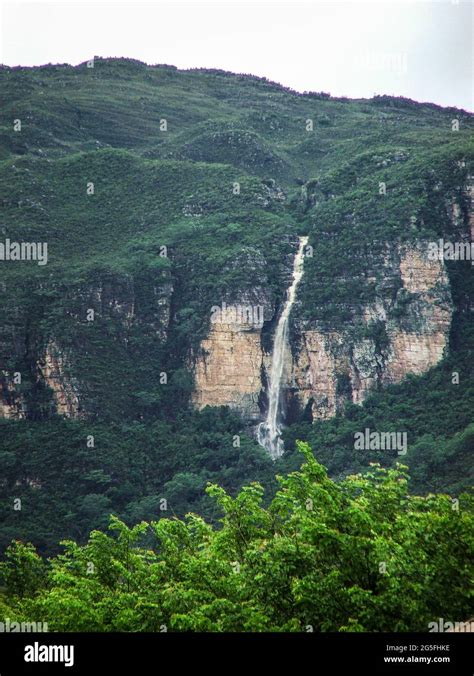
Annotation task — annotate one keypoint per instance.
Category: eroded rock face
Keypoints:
(314, 372)
(229, 363)
(393, 338)
(55, 372)
(228, 370)
(410, 336)
(418, 339)
(12, 405)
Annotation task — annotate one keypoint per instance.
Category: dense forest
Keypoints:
(357, 555)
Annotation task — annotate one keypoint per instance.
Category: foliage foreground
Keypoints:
(357, 555)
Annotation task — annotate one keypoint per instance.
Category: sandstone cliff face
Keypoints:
(410, 335)
(228, 370)
(54, 370)
(229, 364)
(391, 338)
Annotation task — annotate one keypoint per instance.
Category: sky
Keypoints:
(421, 49)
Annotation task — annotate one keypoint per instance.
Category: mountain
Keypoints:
(164, 194)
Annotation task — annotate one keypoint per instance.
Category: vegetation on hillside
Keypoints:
(358, 555)
(176, 188)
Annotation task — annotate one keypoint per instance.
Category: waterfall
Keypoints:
(269, 431)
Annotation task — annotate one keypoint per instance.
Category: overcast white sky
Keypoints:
(415, 48)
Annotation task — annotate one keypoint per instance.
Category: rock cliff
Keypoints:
(386, 341)
(389, 339)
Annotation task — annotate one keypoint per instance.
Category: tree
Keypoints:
(23, 571)
(356, 555)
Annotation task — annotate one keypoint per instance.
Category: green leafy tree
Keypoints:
(23, 571)
(356, 555)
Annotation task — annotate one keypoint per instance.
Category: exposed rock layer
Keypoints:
(328, 367)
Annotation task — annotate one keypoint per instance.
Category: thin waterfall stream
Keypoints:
(269, 431)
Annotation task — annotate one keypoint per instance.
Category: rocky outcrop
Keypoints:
(314, 372)
(391, 340)
(50, 357)
(54, 371)
(229, 363)
(228, 369)
(402, 332)
(12, 404)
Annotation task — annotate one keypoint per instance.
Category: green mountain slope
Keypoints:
(160, 192)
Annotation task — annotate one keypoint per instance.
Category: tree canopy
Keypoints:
(355, 555)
